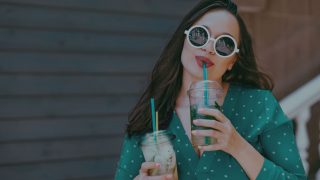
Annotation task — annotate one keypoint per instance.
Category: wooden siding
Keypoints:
(69, 73)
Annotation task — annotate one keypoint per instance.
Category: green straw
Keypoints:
(206, 98)
(153, 115)
(205, 77)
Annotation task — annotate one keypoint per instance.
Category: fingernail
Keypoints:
(199, 147)
(194, 132)
(195, 121)
(169, 176)
(200, 109)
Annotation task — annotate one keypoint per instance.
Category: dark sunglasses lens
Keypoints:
(198, 36)
(225, 46)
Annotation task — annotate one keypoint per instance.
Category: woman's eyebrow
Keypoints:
(225, 33)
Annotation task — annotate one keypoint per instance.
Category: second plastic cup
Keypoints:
(203, 94)
(157, 147)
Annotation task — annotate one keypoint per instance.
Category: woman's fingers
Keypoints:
(210, 123)
(168, 177)
(148, 165)
(162, 177)
(213, 112)
(213, 147)
(210, 133)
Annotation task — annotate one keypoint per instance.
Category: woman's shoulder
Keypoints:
(261, 103)
(251, 91)
(254, 97)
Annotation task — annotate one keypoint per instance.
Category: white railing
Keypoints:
(297, 106)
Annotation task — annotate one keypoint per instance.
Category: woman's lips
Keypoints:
(201, 59)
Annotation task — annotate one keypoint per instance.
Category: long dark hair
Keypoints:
(166, 77)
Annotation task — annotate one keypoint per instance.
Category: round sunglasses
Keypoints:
(224, 45)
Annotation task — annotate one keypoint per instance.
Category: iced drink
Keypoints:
(157, 147)
(203, 94)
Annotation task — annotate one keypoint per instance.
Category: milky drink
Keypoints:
(157, 147)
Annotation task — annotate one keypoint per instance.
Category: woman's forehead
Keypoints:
(220, 22)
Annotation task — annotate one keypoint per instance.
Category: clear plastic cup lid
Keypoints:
(198, 87)
(158, 137)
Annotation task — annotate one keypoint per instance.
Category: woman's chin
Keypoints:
(197, 77)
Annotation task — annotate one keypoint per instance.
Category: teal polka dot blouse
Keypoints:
(257, 116)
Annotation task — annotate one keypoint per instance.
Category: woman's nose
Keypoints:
(208, 48)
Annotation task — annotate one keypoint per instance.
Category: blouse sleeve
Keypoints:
(130, 161)
(282, 159)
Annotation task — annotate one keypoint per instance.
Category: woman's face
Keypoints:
(218, 22)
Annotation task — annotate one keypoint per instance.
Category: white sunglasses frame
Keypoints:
(187, 32)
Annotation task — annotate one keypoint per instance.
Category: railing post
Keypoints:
(302, 135)
(297, 106)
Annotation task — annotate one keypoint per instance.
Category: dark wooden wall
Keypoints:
(69, 73)
(71, 70)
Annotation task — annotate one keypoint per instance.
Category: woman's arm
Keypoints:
(130, 160)
(282, 160)
(248, 157)
(229, 141)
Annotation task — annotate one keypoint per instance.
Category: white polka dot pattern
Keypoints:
(257, 116)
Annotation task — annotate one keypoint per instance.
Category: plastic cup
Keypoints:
(203, 94)
(157, 147)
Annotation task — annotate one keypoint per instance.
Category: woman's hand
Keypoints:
(145, 167)
(228, 139)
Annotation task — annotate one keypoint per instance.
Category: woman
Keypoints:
(254, 137)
